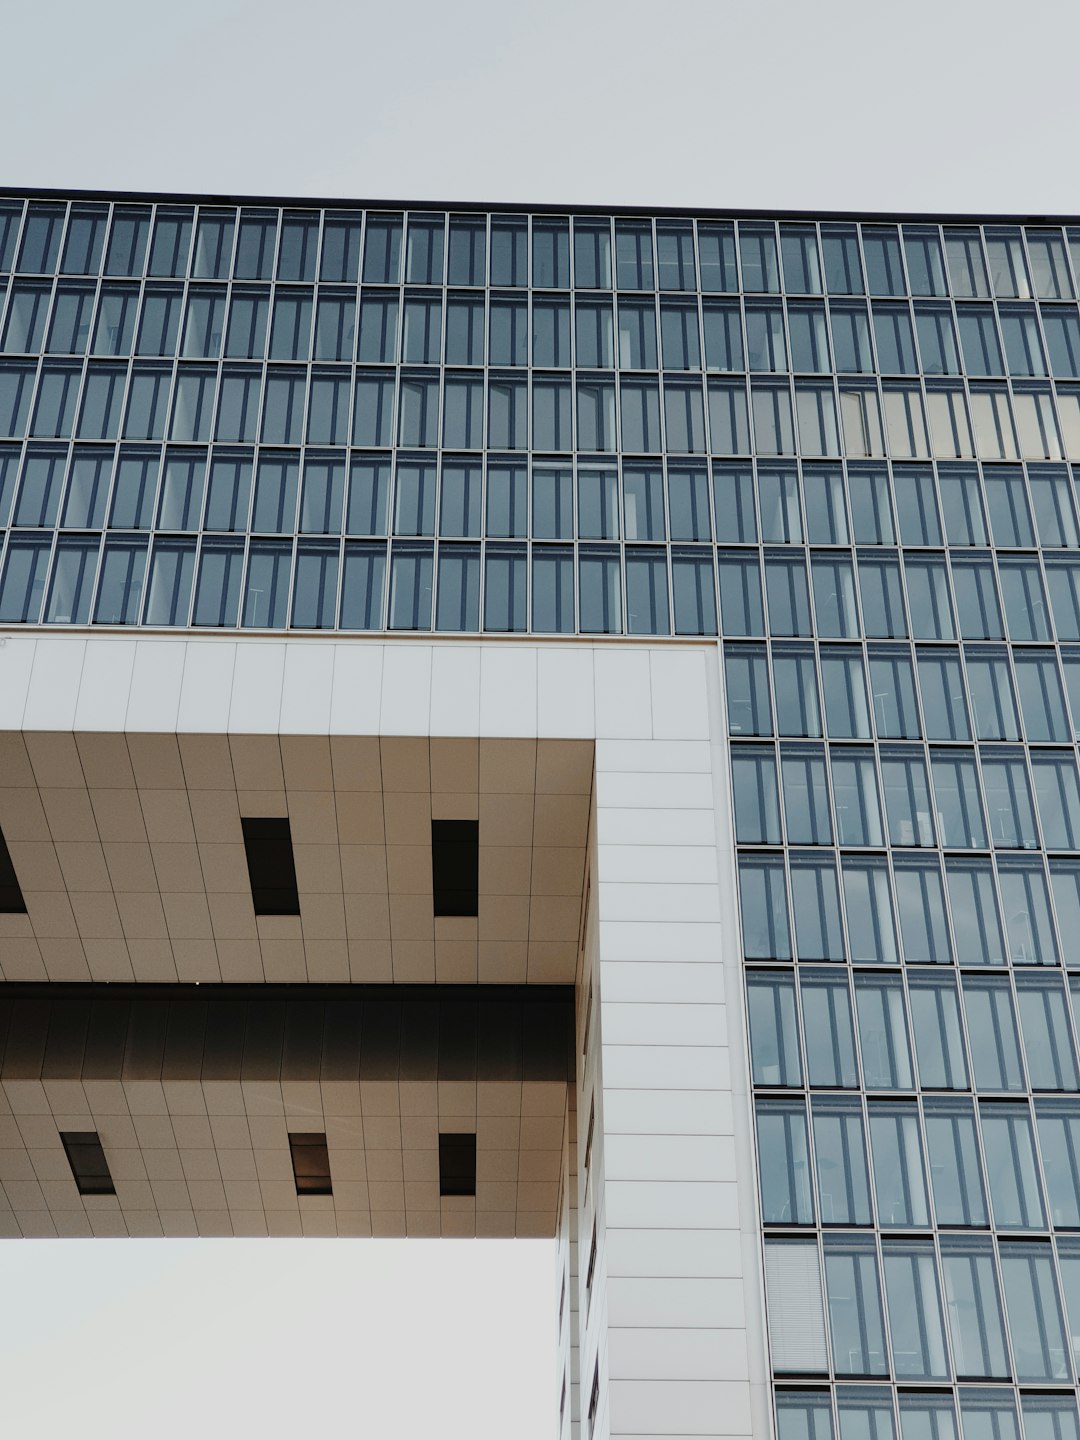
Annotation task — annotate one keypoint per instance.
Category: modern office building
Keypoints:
(527, 723)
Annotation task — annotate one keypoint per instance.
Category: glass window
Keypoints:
(1034, 1309)
(119, 597)
(647, 594)
(883, 1036)
(973, 1304)
(899, 1183)
(181, 503)
(83, 244)
(956, 793)
(827, 1031)
(943, 701)
(740, 594)
(1023, 349)
(1062, 327)
(992, 1035)
(467, 254)
(127, 242)
(16, 384)
(975, 917)
(643, 503)
(795, 685)
(766, 347)
(955, 1170)
(757, 809)
(505, 585)
(172, 570)
(757, 251)
(733, 502)
(323, 495)
(766, 933)
(595, 416)
(1052, 499)
(599, 591)
(335, 324)
(1011, 1167)
(991, 693)
(843, 268)
(507, 501)
(843, 1182)
(789, 601)
(553, 591)
(678, 333)
(693, 591)
(72, 584)
(283, 408)
(248, 318)
(1063, 579)
(458, 604)
(858, 811)
(509, 250)
(229, 492)
(213, 244)
(633, 255)
(784, 1163)
(869, 912)
(1008, 800)
(340, 248)
(723, 335)
(460, 503)
(939, 1048)
(807, 1416)
(637, 337)
(884, 268)
(266, 590)
(747, 684)
(553, 504)
(1049, 1417)
(363, 582)
(87, 490)
(217, 592)
(826, 509)
(1027, 913)
(907, 798)
(895, 340)
(851, 339)
(716, 249)
(1048, 1045)
(914, 1305)
(892, 681)
(871, 511)
(854, 1295)
(424, 250)
(1025, 603)
(1057, 793)
(411, 587)
(255, 245)
(675, 255)
(382, 250)
(729, 422)
(275, 495)
(684, 417)
(802, 270)
(937, 340)
(39, 493)
(592, 255)
(847, 711)
(816, 906)
(1008, 269)
(1059, 1139)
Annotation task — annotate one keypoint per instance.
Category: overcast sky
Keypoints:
(934, 104)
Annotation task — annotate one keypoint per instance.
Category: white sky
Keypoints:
(934, 104)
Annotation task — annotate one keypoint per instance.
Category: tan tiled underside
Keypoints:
(131, 860)
(212, 1157)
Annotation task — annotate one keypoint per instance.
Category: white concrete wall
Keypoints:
(675, 1321)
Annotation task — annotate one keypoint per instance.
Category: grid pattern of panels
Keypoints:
(907, 813)
(194, 1103)
(364, 420)
(130, 853)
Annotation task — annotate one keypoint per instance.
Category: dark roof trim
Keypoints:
(502, 208)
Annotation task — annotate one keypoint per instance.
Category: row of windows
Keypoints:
(432, 249)
(921, 1311)
(302, 324)
(877, 1412)
(935, 695)
(636, 590)
(975, 804)
(820, 1173)
(967, 918)
(594, 414)
(637, 501)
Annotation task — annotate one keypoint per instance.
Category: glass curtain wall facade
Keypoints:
(844, 449)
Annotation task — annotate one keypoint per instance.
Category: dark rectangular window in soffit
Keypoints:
(268, 842)
(310, 1163)
(11, 896)
(457, 1164)
(87, 1161)
(455, 866)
